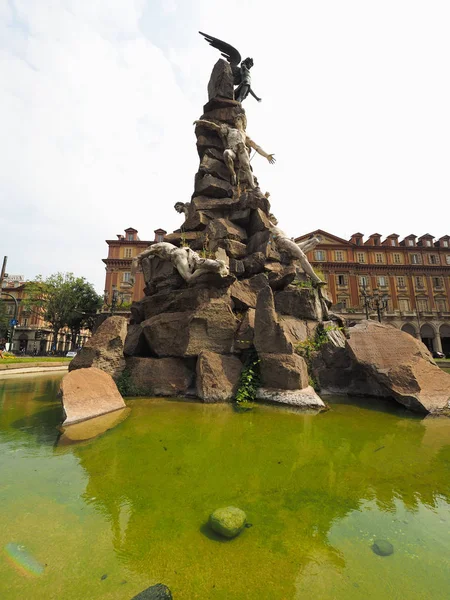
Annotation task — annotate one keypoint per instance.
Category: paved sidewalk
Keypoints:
(36, 369)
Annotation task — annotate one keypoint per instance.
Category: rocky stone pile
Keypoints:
(194, 339)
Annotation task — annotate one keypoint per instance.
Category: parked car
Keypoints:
(71, 354)
(437, 354)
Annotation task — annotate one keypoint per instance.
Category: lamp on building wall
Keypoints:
(376, 301)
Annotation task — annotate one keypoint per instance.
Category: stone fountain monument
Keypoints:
(229, 287)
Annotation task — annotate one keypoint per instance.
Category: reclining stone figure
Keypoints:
(297, 251)
(188, 263)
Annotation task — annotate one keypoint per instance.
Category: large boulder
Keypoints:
(135, 342)
(220, 229)
(402, 365)
(269, 335)
(214, 204)
(182, 300)
(214, 167)
(87, 393)
(304, 399)
(221, 80)
(160, 376)
(104, 349)
(244, 292)
(303, 303)
(211, 327)
(283, 371)
(246, 331)
(217, 376)
(208, 185)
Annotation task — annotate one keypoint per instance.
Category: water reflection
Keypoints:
(317, 489)
(295, 478)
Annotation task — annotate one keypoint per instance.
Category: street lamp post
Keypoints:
(116, 299)
(375, 302)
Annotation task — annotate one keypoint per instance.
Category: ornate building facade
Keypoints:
(118, 267)
(411, 276)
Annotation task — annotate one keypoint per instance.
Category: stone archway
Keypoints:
(444, 332)
(428, 335)
(409, 328)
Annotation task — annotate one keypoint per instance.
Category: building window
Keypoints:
(319, 255)
(410, 242)
(441, 304)
(339, 255)
(427, 243)
(130, 237)
(361, 257)
(397, 259)
(404, 305)
(433, 259)
(422, 304)
(358, 241)
(419, 282)
(445, 243)
(393, 243)
(341, 280)
(447, 259)
(159, 237)
(364, 281)
(438, 282)
(376, 241)
(401, 282)
(416, 259)
(382, 282)
(126, 277)
(378, 258)
(127, 253)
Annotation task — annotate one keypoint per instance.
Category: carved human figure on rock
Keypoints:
(236, 141)
(188, 263)
(297, 251)
(182, 208)
(241, 73)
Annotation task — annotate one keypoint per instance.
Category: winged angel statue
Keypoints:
(241, 73)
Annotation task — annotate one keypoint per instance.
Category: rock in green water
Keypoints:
(155, 592)
(228, 521)
(382, 547)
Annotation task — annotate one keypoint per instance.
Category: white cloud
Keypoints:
(97, 100)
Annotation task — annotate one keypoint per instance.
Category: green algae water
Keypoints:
(108, 517)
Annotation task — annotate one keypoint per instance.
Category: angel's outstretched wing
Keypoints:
(227, 51)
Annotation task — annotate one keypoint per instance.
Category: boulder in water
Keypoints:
(229, 521)
(383, 548)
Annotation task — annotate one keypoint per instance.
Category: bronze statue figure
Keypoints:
(241, 73)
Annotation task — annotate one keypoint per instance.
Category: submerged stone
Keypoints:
(229, 521)
(155, 592)
(383, 548)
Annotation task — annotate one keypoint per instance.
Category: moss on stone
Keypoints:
(228, 521)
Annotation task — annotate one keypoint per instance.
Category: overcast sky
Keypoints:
(97, 99)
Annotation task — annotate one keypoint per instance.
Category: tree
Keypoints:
(4, 319)
(88, 302)
(62, 300)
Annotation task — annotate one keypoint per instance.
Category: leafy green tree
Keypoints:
(4, 319)
(88, 302)
(62, 300)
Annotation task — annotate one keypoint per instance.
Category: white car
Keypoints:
(71, 354)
